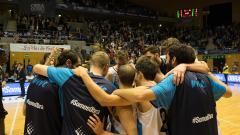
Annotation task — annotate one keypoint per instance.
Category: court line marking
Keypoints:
(235, 125)
(13, 99)
(14, 119)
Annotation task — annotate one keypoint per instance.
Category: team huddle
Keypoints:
(175, 95)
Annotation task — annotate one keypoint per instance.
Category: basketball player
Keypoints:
(123, 117)
(148, 117)
(191, 105)
(124, 114)
(43, 112)
(77, 103)
(154, 53)
(126, 126)
(196, 96)
(22, 78)
(121, 59)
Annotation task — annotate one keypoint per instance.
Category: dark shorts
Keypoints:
(3, 112)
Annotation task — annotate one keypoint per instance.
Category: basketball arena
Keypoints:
(127, 67)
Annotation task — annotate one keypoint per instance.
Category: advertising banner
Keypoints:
(13, 89)
(220, 77)
(233, 78)
(35, 47)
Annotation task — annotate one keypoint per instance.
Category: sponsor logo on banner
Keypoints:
(220, 77)
(35, 47)
(13, 89)
(37, 8)
(234, 78)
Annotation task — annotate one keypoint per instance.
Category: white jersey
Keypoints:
(150, 122)
(163, 56)
(113, 71)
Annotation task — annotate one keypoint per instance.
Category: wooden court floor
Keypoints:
(228, 114)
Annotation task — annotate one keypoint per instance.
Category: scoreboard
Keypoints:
(186, 13)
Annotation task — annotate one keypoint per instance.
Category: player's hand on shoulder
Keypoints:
(81, 71)
(178, 72)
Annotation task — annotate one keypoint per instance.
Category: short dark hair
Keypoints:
(152, 49)
(126, 74)
(182, 52)
(148, 67)
(65, 55)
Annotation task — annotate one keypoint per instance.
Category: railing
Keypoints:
(44, 34)
(219, 51)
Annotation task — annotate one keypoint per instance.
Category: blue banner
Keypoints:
(220, 77)
(13, 89)
(233, 78)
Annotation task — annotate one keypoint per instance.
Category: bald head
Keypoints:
(126, 74)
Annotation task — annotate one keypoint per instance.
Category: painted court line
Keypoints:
(14, 119)
(12, 100)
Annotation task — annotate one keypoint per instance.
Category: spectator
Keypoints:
(22, 79)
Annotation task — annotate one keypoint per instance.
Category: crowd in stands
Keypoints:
(223, 37)
(120, 33)
(114, 35)
(117, 32)
(125, 32)
(41, 26)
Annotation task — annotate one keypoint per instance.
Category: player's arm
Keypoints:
(161, 94)
(137, 94)
(227, 93)
(125, 114)
(40, 69)
(97, 92)
(52, 58)
(198, 66)
(179, 71)
(56, 75)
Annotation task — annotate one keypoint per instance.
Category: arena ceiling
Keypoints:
(176, 4)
